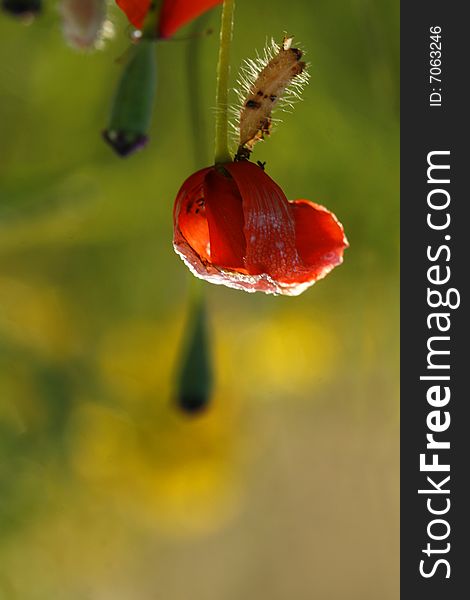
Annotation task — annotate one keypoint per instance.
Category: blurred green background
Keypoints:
(287, 487)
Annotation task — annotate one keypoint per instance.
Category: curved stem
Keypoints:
(222, 153)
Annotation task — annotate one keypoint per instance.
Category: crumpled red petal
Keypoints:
(174, 13)
(191, 231)
(223, 206)
(269, 223)
(320, 238)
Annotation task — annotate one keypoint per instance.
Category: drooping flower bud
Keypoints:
(276, 78)
(195, 379)
(131, 112)
(83, 22)
(22, 8)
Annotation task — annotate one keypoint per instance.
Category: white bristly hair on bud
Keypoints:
(273, 80)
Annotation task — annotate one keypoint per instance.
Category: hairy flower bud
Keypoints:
(275, 79)
(83, 22)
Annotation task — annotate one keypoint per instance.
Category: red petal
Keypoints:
(269, 224)
(175, 13)
(191, 232)
(320, 238)
(224, 213)
(135, 10)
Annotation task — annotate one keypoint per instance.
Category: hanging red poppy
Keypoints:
(234, 226)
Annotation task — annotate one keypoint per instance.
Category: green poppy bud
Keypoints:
(22, 8)
(131, 112)
(195, 381)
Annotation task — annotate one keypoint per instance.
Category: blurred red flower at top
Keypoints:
(234, 226)
(174, 13)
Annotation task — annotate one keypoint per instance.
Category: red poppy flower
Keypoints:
(234, 226)
(174, 13)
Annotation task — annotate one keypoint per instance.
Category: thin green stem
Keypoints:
(222, 153)
(194, 77)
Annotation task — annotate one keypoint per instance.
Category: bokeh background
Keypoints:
(287, 487)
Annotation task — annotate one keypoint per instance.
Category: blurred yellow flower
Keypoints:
(174, 474)
(34, 315)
